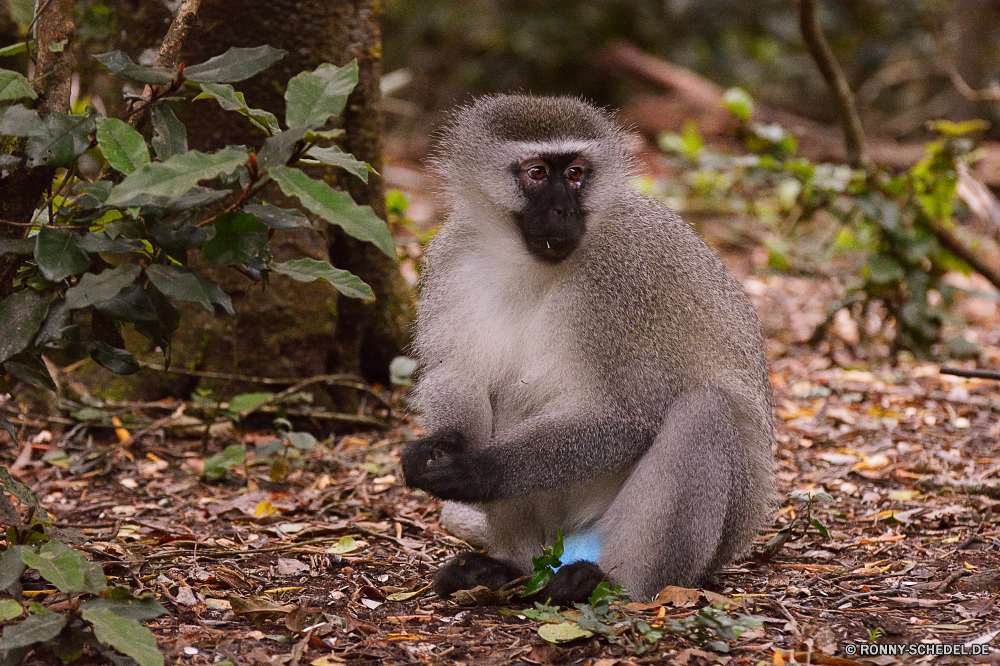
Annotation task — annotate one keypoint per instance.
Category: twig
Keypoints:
(975, 373)
(836, 83)
(951, 579)
(170, 51)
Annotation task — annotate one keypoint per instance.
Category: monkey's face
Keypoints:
(553, 218)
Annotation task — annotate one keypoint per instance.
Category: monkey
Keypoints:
(587, 366)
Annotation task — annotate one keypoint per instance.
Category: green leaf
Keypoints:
(303, 441)
(18, 120)
(244, 401)
(338, 158)
(15, 49)
(345, 544)
(66, 138)
(24, 495)
(125, 635)
(66, 568)
(232, 100)
(312, 97)
(11, 567)
(276, 217)
(177, 175)
(125, 605)
(9, 609)
(116, 360)
(8, 427)
(99, 241)
(130, 304)
(58, 255)
(238, 237)
(335, 207)
(38, 628)
(118, 63)
(123, 147)
(21, 315)
(236, 64)
(186, 285)
(14, 85)
(307, 270)
(563, 632)
(17, 245)
(217, 465)
(278, 149)
(102, 286)
(883, 269)
(169, 133)
(738, 102)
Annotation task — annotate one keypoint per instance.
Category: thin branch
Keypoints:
(974, 373)
(836, 83)
(170, 51)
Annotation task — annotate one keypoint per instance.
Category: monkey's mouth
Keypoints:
(552, 248)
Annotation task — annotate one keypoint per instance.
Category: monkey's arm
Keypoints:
(542, 452)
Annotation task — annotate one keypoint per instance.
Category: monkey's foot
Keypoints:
(467, 570)
(572, 583)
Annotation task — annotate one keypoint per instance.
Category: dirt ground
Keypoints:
(256, 568)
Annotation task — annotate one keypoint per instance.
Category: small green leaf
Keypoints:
(38, 628)
(238, 237)
(276, 217)
(279, 148)
(236, 64)
(65, 568)
(116, 360)
(177, 175)
(336, 157)
(307, 270)
(14, 85)
(9, 609)
(883, 269)
(58, 255)
(118, 63)
(232, 100)
(123, 147)
(563, 632)
(186, 285)
(18, 120)
(15, 49)
(8, 428)
(66, 138)
(169, 133)
(131, 304)
(335, 207)
(121, 602)
(100, 287)
(739, 103)
(244, 401)
(217, 465)
(311, 98)
(345, 545)
(125, 635)
(11, 567)
(21, 315)
(303, 441)
(401, 371)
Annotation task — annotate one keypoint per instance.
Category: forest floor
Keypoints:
(323, 557)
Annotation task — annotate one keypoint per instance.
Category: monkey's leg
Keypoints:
(672, 516)
(467, 570)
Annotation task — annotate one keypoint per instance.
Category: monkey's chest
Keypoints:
(518, 352)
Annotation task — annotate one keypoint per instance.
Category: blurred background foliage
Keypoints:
(894, 53)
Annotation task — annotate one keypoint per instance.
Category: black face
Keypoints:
(554, 221)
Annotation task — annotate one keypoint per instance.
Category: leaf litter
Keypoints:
(330, 563)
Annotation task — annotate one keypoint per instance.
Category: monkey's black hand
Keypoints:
(443, 465)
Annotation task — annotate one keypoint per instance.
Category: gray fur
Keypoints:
(625, 386)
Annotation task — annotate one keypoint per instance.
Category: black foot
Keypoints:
(573, 583)
(466, 571)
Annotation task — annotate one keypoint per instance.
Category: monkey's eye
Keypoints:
(574, 173)
(536, 172)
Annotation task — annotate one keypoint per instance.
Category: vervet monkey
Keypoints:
(587, 366)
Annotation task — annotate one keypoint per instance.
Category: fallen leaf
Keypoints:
(563, 632)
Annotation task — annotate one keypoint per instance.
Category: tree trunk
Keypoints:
(290, 329)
